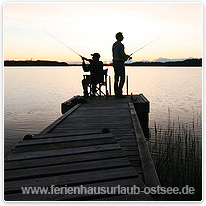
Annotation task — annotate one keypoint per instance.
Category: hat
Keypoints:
(96, 55)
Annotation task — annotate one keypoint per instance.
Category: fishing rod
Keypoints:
(62, 43)
(145, 45)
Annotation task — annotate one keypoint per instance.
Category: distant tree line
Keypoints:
(193, 62)
(34, 63)
(186, 63)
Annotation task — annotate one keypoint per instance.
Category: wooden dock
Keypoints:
(95, 143)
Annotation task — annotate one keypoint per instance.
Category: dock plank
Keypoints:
(63, 137)
(72, 179)
(61, 152)
(66, 159)
(68, 134)
(65, 169)
(62, 144)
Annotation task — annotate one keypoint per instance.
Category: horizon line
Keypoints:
(161, 59)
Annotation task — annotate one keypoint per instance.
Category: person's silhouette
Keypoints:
(96, 70)
(119, 57)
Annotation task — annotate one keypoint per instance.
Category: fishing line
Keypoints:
(145, 45)
(62, 43)
(82, 56)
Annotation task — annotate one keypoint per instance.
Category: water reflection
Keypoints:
(32, 96)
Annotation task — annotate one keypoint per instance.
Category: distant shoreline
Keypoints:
(186, 63)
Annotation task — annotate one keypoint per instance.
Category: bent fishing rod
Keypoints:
(145, 46)
(63, 43)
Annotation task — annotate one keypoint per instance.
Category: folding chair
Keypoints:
(99, 91)
(103, 83)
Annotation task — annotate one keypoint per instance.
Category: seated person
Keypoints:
(96, 70)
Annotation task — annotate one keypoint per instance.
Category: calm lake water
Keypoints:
(33, 96)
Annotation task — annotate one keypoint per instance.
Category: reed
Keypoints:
(177, 152)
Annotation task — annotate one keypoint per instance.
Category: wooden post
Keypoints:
(110, 90)
(127, 86)
(106, 92)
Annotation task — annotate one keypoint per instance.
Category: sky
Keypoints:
(89, 27)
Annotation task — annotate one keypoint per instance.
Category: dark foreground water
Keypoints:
(33, 95)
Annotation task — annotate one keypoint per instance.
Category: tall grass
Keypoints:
(176, 151)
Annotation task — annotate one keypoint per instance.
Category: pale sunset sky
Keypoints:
(89, 27)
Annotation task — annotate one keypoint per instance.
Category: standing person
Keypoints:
(96, 70)
(119, 57)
